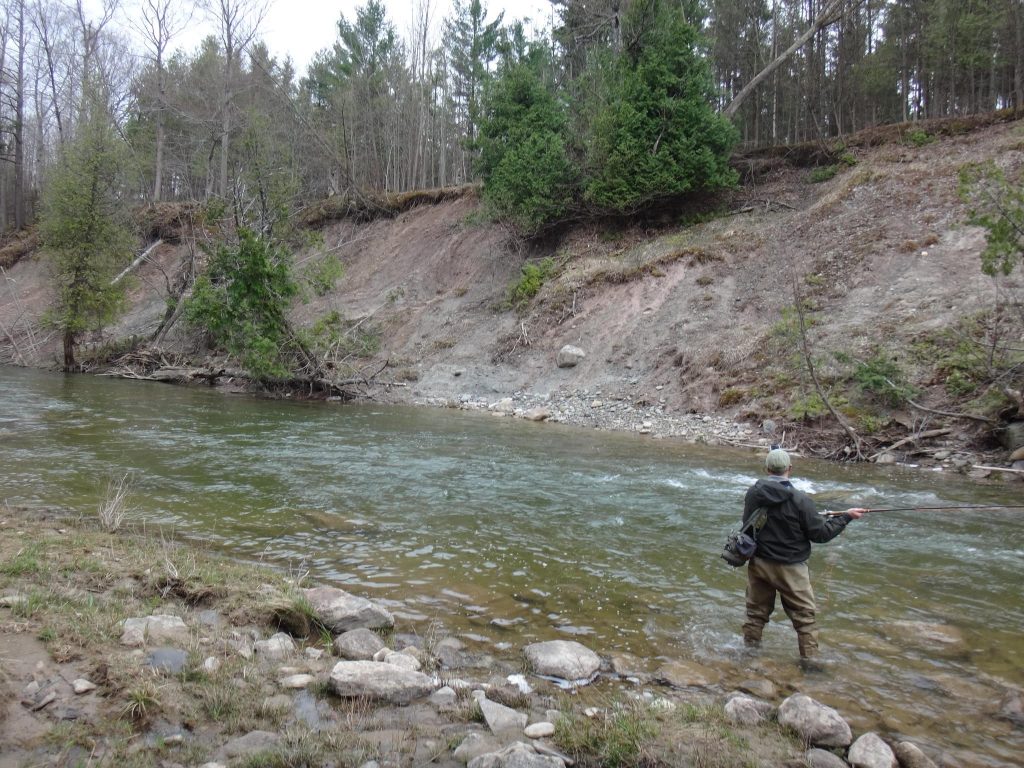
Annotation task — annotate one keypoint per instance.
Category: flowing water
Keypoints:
(509, 532)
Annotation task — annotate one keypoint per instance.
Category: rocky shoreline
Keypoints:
(601, 410)
(135, 652)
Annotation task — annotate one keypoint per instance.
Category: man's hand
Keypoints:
(856, 512)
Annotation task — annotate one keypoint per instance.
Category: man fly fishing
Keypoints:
(791, 523)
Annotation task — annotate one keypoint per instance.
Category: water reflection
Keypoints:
(515, 532)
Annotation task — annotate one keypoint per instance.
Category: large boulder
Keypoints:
(518, 755)
(565, 659)
(380, 681)
(358, 644)
(570, 356)
(911, 756)
(817, 724)
(869, 751)
(339, 611)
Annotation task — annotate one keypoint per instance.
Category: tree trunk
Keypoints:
(829, 15)
(69, 350)
(19, 126)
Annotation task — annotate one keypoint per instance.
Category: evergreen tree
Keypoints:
(84, 229)
(655, 134)
(528, 177)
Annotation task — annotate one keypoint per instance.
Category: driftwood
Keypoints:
(1000, 469)
(912, 439)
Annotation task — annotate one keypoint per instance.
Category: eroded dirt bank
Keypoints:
(687, 331)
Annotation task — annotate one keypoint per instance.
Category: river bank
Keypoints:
(126, 648)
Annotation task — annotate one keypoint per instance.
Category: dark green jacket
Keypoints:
(793, 521)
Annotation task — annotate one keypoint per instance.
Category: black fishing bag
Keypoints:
(742, 544)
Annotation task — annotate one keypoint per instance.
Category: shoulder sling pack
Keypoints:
(742, 544)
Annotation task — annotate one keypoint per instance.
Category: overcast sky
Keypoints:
(300, 28)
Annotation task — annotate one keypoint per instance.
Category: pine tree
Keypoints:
(84, 230)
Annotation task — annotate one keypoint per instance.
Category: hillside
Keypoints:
(676, 321)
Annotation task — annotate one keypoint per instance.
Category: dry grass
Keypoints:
(113, 508)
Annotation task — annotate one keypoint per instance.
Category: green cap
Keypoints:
(777, 461)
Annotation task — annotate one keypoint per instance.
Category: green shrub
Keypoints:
(881, 376)
(241, 303)
(322, 275)
(533, 276)
(918, 138)
(823, 173)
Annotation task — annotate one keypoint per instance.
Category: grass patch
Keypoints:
(26, 562)
(615, 737)
(824, 173)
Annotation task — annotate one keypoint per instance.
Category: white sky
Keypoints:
(300, 28)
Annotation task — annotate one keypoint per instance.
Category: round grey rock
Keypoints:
(818, 724)
(565, 659)
(869, 751)
(358, 644)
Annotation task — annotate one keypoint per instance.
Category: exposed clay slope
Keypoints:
(676, 316)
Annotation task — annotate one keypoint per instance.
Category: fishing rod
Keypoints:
(832, 513)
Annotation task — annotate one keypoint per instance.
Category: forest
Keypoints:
(381, 111)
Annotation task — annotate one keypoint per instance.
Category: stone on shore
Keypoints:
(380, 681)
(358, 644)
(570, 356)
(403, 660)
(746, 710)
(911, 756)
(819, 758)
(155, 628)
(817, 724)
(539, 730)
(295, 682)
(869, 751)
(81, 685)
(339, 611)
(500, 719)
(475, 745)
(537, 414)
(517, 755)
(250, 743)
(565, 659)
(279, 646)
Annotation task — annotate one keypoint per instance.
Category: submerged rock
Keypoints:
(819, 725)
(340, 611)
(566, 659)
(869, 751)
(686, 674)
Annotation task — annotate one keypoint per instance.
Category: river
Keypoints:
(508, 532)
